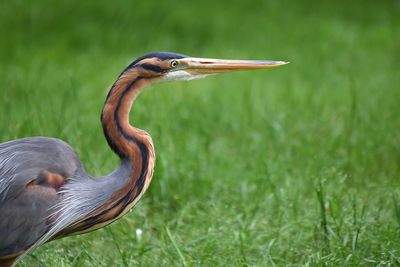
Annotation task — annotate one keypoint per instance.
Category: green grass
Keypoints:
(298, 165)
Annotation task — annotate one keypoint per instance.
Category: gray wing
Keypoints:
(31, 172)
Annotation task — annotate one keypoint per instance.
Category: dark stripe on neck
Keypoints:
(94, 220)
(113, 86)
(152, 67)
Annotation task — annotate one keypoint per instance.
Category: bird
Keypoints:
(45, 192)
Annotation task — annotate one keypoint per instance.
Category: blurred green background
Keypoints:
(297, 165)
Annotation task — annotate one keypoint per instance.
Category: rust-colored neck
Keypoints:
(127, 141)
(121, 136)
(131, 144)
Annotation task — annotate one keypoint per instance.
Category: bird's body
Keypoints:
(45, 192)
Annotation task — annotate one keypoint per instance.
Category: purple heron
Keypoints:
(45, 192)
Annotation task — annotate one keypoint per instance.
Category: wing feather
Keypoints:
(23, 213)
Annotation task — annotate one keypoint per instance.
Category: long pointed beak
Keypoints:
(204, 66)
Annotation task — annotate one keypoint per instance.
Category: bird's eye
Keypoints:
(174, 63)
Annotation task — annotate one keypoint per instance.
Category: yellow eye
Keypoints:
(174, 64)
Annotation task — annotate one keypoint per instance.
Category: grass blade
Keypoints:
(176, 247)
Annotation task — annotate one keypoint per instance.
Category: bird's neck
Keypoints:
(131, 144)
(125, 140)
(135, 148)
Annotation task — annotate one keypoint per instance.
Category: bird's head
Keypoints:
(165, 66)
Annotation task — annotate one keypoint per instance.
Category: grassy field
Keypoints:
(298, 165)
